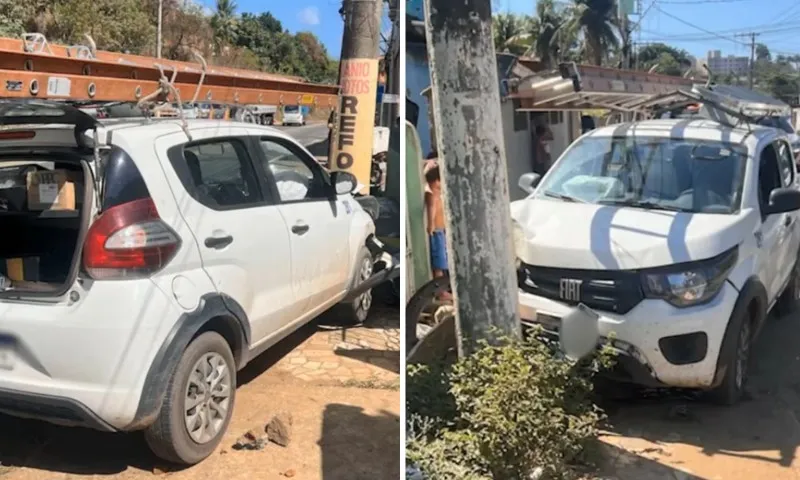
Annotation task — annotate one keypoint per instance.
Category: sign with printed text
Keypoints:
(351, 148)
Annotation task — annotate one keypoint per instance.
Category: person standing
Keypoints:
(434, 208)
(542, 160)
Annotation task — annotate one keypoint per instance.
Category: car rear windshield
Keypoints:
(679, 174)
(291, 109)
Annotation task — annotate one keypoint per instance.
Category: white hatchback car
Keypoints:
(181, 260)
(681, 235)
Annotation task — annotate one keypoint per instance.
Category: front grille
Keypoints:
(616, 291)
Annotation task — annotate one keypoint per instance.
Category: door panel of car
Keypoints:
(318, 221)
(770, 178)
(243, 239)
(789, 240)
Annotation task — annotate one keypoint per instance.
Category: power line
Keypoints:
(699, 28)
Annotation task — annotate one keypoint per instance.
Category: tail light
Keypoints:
(129, 241)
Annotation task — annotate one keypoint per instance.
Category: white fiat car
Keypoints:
(176, 254)
(680, 235)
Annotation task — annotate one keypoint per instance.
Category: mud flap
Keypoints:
(391, 270)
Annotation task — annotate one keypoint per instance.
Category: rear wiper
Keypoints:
(564, 197)
(641, 204)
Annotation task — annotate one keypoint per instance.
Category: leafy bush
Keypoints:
(502, 413)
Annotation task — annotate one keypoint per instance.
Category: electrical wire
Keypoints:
(714, 34)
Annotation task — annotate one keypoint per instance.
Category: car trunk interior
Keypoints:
(41, 205)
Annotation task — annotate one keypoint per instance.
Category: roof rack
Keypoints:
(725, 104)
(33, 68)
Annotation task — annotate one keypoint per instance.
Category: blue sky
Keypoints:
(320, 17)
(778, 22)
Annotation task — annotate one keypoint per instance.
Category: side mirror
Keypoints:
(528, 181)
(344, 182)
(783, 200)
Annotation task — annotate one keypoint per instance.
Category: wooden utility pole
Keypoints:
(467, 116)
(351, 139)
(751, 74)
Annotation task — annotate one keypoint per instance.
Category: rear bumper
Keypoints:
(84, 363)
(58, 410)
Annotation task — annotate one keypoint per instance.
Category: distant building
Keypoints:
(720, 65)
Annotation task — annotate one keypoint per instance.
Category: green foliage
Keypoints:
(502, 412)
(224, 38)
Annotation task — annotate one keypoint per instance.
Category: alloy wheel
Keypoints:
(208, 397)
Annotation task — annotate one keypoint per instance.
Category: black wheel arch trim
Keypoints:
(211, 307)
(752, 289)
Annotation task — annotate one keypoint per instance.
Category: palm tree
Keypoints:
(547, 43)
(224, 23)
(506, 27)
(595, 21)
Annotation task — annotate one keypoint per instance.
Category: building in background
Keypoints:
(730, 64)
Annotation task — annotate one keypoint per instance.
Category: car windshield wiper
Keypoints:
(564, 197)
(641, 204)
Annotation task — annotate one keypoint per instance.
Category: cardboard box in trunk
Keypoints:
(24, 269)
(14, 188)
(52, 190)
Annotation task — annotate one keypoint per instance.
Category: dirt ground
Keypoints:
(340, 431)
(683, 436)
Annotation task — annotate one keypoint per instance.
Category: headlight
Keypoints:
(690, 284)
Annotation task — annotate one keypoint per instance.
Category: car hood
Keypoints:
(585, 236)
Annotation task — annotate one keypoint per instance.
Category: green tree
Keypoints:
(762, 53)
(223, 21)
(595, 23)
(547, 42)
(117, 25)
(506, 27)
(670, 60)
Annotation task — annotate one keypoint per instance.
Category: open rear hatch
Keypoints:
(48, 161)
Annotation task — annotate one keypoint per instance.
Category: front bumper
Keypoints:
(659, 345)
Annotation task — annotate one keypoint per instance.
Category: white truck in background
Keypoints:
(263, 114)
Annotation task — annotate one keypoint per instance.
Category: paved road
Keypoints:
(308, 134)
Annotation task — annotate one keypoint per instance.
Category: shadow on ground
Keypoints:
(46, 447)
(346, 450)
(760, 432)
(623, 465)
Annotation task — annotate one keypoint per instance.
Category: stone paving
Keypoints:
(368, 353)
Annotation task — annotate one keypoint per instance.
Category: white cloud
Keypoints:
(309, 16)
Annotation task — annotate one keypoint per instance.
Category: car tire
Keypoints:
(356, 311)
(730, 391)
(169, 437)
(789, 301)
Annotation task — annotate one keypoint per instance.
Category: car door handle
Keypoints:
(788, 221)
(300, 229)
(218, 242)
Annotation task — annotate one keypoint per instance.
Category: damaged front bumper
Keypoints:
(388, 260)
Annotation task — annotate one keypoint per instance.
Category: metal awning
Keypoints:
(581, 87)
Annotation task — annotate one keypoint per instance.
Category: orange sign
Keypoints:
(352, 139)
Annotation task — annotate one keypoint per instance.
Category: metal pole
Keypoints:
(160, 19)
(351, 141)
(468, 117)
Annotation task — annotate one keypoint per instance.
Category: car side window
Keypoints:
(297, 179)
(219, 173)
(785, 163)
(769, 174)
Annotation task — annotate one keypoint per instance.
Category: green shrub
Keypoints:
(502, 413)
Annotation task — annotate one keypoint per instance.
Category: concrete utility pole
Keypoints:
(160, 20)
(467, 116)
(752, 36)
(351, 141)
